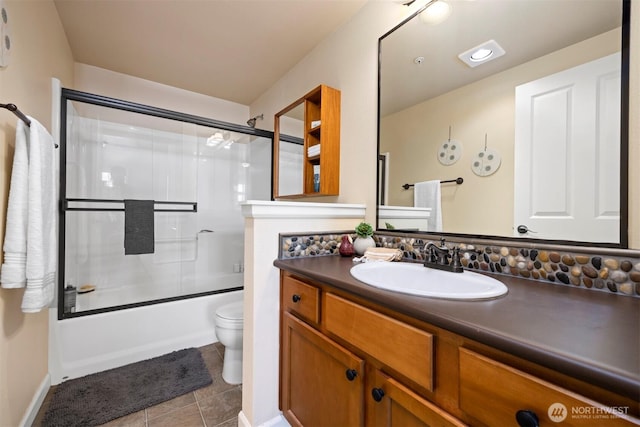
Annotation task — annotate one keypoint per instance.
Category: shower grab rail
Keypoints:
(66, 207)
(177, 240)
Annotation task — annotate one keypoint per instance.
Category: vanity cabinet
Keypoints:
(346, 361)
(321, 144)
(340, 364)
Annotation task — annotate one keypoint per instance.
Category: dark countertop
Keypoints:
(590, 335)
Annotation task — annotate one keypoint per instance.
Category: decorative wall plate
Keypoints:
(449, 152)
(5, 35)
(486, 162)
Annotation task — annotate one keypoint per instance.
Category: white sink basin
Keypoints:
(415, 279)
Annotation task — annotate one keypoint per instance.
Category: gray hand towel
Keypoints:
(139, 227)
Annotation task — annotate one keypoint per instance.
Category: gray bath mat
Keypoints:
(98, 398)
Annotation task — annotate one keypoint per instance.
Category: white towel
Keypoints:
(13, 273)
(427, 195)
(30, 251)
(314, 150)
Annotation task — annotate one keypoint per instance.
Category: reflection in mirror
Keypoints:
(537, 131)
(290, 147)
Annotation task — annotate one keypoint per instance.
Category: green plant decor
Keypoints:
(364, 230)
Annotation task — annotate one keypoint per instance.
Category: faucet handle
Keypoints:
(456, 265)
(431, 254)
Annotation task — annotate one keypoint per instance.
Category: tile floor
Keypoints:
(216, 405)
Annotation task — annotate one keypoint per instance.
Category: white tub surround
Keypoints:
(264, 220)
(89, 344)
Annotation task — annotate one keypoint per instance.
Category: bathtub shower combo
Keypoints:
(194, 173)
(197, 174)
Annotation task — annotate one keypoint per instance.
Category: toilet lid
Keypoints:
(233, 311)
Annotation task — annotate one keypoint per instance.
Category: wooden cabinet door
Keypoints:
(321, 383)
(389, 403)
(493, 393)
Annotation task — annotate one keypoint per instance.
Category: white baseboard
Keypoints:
(278, 421)
(36, 402)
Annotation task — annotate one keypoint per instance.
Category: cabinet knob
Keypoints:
(377, 394)
(526, 418)
(295, 298)
(351, 374)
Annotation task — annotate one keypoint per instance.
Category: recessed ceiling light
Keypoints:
(482, 53)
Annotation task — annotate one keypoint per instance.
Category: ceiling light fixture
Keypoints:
(482, 53)
(215, 139)
(436, 12)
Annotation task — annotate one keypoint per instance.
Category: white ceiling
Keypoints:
(229, 49)
(237, 49)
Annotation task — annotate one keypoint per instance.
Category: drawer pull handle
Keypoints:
(295, 298)
(351, 374)
(377, 394)
(527, 418)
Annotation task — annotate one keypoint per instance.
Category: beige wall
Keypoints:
(122, 86)
(347, 60)
(412, 137)
(39, 52)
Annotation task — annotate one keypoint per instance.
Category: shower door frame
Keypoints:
(103, 101)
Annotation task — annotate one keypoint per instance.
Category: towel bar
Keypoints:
(458, 181)
(66, 207)
(14, 109)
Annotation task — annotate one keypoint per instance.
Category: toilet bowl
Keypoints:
(229, 318)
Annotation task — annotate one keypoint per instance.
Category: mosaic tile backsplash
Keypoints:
(566, 266)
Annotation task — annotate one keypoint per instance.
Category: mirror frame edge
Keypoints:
(624, 149)
(275, 166)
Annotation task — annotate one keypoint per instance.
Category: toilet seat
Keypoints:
(230, 315)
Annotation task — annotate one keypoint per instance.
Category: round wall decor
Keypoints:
(5, 35)
(486, 162)
(449, 152)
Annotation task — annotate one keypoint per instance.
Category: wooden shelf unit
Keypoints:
(321, 128)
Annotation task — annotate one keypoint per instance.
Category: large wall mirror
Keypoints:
(537, 133)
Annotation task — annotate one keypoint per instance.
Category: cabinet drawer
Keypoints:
(401, 347)
(300, 298)
(492, 393)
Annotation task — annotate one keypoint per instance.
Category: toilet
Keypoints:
(229, 319)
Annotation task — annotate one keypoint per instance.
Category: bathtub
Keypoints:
(85, 345)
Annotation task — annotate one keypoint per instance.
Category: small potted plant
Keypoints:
(364, 239)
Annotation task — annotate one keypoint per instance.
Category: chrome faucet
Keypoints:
(439, 257)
